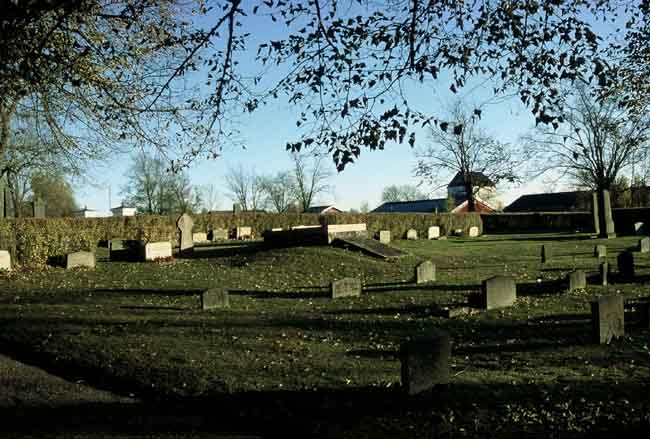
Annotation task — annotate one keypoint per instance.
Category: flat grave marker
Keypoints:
(80, 259)
(425, 362)
(498, 292)
(425, 272)
(214, 298)
(608, 318)
(346, 287)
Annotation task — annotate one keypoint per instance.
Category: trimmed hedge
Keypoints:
(530, 222)
(32, 241)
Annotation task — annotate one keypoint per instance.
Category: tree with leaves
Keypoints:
(460, 147)
(55, 191)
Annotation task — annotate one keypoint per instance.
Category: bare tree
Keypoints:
(280, 190)
(311, 176)
(404, 192)
(246, 188)
(459, 146)
(210, 197)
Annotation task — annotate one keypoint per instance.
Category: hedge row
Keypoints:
(33, 241)
(531, 222)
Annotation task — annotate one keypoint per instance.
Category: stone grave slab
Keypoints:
(244, 232)
(600, 251)
(157, 250)
(577, 280)
(644, 245)
(214, 298)
(199, 237)
(80, 259)
(425, 362)
(546, 253)
(338, 231)
(604, 273)
(412, 234)
(185, 224)
(384, 236)
(346, 287)
(608, 319)
(373, 247)
(474, 232)
(425, 272)
(625, 262)
(498, 292)
(218, 234)
(5, 260)
(433, 232)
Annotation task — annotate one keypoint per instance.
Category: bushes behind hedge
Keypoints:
(31, 241)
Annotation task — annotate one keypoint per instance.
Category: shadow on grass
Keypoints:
(149, 292)
(314, 293)
(412, 286)
(544, 288)
(225, 250)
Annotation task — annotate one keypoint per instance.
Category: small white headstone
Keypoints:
(434, 232)
(412, 234)
(244, 233)
(80, 259)
(384, 236)
(638, 228)
(5, 260)
(157, 250)
(473, 232)
(200, 237)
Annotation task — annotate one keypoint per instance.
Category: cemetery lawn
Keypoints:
(285, 361)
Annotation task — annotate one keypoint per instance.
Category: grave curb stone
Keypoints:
(425, 362)
(214, 298)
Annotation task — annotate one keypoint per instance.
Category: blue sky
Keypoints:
(266, 132)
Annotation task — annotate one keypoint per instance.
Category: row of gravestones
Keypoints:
(432, 233)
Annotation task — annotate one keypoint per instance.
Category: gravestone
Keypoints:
(200, 237)
(434, 232)
(80, 259)
(425, 272)
(384, 236)
(5, 260)
(346, 287)
(600, 251)
(38, 207)
(473, 232)
(185, 224)
(123, 249)
(157, 250)
(606, 229)
(546, 253)
(218, 235)
(244, 232)
(608, 318)
(577, 280)
(625, 262)
(425, 362)
(594, 212)
(498, 292)
(639, 229)
(644, 245)
(214, 298)
(412, 234)
(604, 273)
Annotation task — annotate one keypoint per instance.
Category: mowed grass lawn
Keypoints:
(286, 360)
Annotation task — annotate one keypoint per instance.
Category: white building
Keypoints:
(123, 211)
(87, 213)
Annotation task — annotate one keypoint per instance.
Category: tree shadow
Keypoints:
(149, 292)
(152, 308)
(430, 286)
(314, 293)
(544, 288)
(237, 248)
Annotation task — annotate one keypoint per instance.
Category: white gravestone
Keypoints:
(157, 250)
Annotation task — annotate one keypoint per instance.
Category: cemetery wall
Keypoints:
(530, 222)
(31, 241)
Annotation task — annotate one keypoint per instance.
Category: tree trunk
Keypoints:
(469, 193)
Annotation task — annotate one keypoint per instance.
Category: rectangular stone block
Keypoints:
(577, 280)
(498, 292)
(157, 250)
(425, 363)
(384, 236)
(199, 237)
(5, 260)
(346, 287)
(80, 259)
(412, 234)
(474, 232)
(600, 251)
(218, 235)
(644, 245)
(243, 232)
(546, 254)
(425, 272)
(604, 273)
(625, 262)
(608, 318)
(214, 298)
(434, 232)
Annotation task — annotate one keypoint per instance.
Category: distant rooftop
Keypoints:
(419, 206)
(552, 202)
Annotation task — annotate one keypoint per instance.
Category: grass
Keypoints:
(284, 359)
